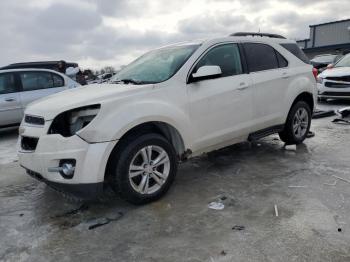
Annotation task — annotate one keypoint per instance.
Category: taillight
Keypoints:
(315, 72)
(330, 66)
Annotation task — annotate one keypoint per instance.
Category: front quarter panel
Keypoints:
(118, 117)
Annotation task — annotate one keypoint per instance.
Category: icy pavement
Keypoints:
(308, 186)
(8, 140)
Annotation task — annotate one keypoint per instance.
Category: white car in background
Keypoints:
(19, 87)
(335, 82)
(171, 104)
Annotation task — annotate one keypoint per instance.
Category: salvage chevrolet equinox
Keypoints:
(170, 104)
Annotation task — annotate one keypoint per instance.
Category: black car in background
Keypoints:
(53, 65)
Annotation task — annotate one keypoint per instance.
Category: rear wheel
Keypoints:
(298, 124)
(144, 168)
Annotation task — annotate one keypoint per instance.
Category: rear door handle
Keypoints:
(10, 99)
(242, 86)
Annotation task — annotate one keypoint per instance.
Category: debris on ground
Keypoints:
(340, 178)
(290, 147)
(223, 253)
(344, 113)
(75, 211)
(339, 229)
(94, 223)
(341, 121)
(276, 211)
(238, 228)
(331, 184)
(310, 134)
(321, 113)
(216, 205)
(297, 186)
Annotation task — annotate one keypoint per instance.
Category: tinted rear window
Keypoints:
(295, 50)
(260, 57)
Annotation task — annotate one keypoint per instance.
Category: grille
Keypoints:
(336, 85)
(29, 143)
(34, 120)
(336, 93)
(339, 78)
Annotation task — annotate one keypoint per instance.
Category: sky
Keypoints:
(98, 33)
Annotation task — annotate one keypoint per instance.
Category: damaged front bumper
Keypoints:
(43, 154)
(82, 191)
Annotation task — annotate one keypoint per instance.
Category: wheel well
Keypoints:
(167, 131)
(307, 97)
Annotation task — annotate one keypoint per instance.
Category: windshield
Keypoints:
(155, 66)
(344, 62)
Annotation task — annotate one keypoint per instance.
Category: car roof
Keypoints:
(30, 69)
(37, 64)
(259, 39)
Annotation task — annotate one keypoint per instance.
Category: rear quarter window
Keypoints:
(295, 50)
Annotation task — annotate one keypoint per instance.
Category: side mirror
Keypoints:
(207, 72)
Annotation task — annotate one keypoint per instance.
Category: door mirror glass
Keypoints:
(206, 72)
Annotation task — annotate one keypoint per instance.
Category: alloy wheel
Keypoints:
(300, 123)
(149, 169)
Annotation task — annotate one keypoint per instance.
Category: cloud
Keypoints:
(96, 33)
(121, 8)
(220, 23)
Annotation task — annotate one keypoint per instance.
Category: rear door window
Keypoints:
(295, 50)
(36, 80)
(7, 83)
(260, 57)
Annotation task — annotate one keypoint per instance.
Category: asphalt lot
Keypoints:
(313, 203)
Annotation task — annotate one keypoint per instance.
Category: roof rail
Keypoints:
(257, 34)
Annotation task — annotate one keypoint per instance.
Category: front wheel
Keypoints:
(298, 124)
(144, 168)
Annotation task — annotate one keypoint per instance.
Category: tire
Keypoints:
(291, 136)
(146, 181)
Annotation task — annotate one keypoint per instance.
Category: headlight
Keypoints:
(319, 80)
(70, 122)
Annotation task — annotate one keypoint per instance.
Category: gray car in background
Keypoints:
(19, 87)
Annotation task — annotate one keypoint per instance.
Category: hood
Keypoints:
(50, 106)
(336, 72)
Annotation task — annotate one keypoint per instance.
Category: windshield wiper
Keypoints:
(126, 81)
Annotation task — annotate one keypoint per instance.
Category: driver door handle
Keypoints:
(242, 86)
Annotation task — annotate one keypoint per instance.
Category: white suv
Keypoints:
(170, 104)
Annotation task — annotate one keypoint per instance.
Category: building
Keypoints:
(327, 38)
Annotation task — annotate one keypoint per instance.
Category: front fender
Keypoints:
(115, 122)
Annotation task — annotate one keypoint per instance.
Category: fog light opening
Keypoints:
(67, 168)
